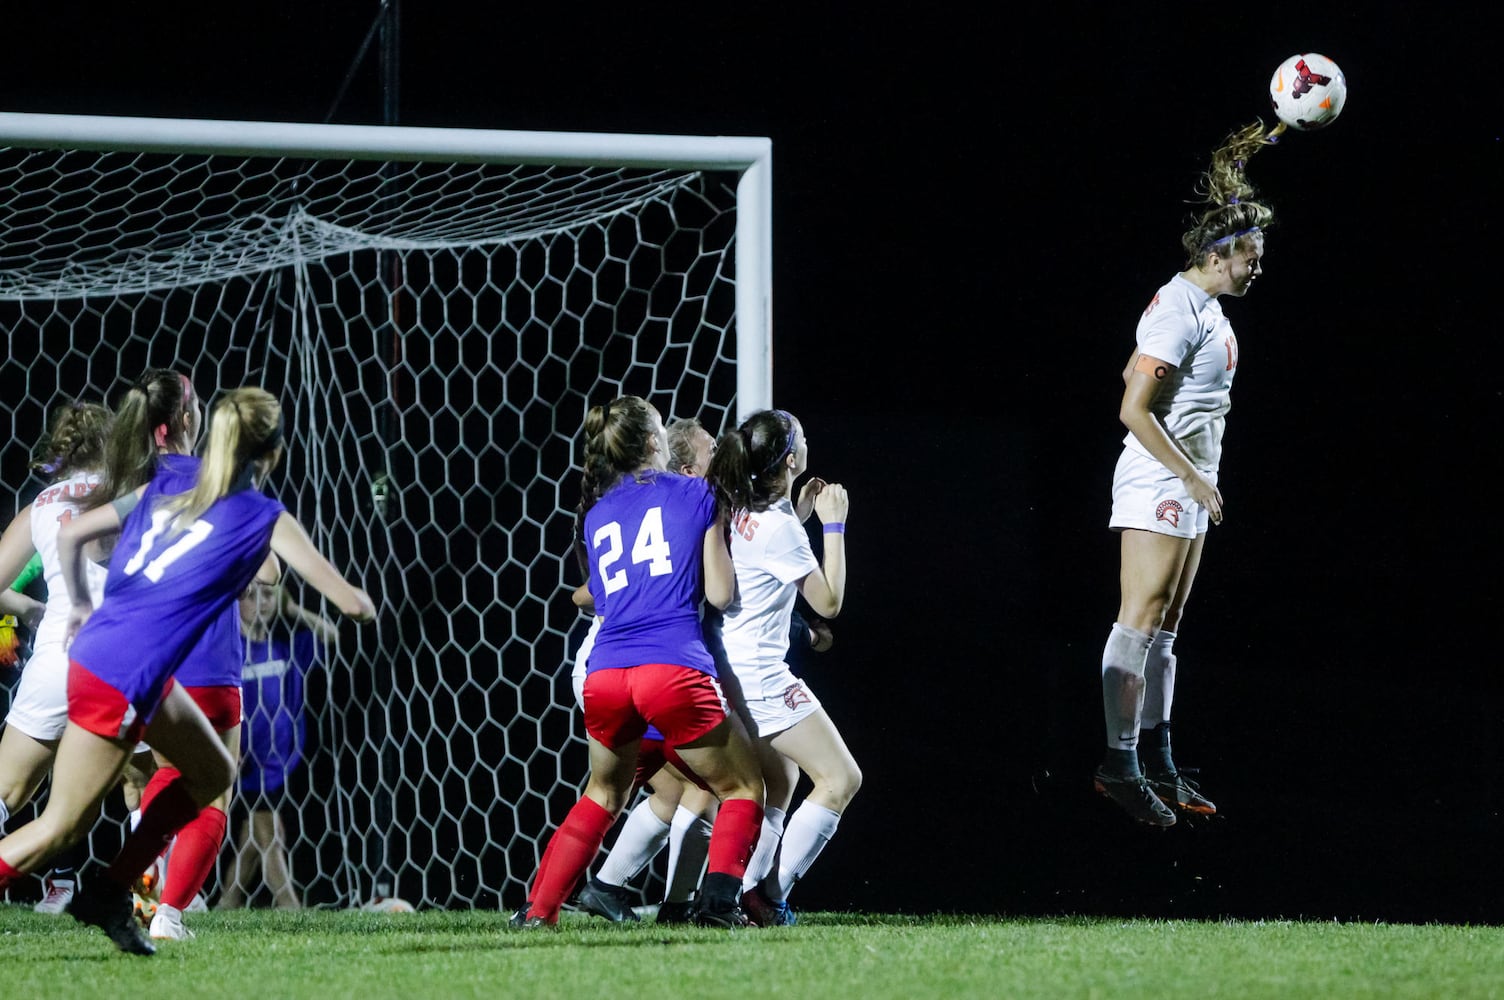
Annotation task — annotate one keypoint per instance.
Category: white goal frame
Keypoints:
(395, 864)
(751, 157)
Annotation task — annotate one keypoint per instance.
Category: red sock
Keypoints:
(8, 874)
(170, 809)
(733, 836)
(193, 857)
(570, 851)
(548, 851)
(160, 779)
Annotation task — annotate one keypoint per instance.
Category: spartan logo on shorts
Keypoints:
(794, 695)
(1169, 510)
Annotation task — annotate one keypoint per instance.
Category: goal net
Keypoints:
(436, 310)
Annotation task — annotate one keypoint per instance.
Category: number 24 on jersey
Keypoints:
(650, 546)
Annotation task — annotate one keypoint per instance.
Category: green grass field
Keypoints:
(326, 955)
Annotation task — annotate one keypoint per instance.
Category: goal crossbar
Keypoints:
(749, 156)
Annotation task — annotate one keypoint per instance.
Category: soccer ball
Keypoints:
(1308, 91)
(387, 904)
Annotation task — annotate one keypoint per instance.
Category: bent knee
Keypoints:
(841, 786)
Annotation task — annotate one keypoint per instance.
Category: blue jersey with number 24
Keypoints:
(646, 538)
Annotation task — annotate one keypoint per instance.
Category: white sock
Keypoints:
(767, 848)
(4, 814)
(809, 830)
(1159, 680)
(688, 850)
(641, 837)
(1123, 685)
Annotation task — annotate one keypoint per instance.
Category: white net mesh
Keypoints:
(435, 332)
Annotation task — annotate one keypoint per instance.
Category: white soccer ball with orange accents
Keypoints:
(389, 904)
(1308, 91)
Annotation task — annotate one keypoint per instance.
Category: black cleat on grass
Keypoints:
(606, 900)
(721, 916)
(103, 904)
(676, 913)
(1135, 797)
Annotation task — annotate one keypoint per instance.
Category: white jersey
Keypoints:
(582, 660)
(771, 552)
(54, 506)
(1184, 326)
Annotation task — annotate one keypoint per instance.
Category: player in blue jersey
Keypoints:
(657, 548)
(179, 562)
(1176, 396)
(680, 808)
(210, 674)
(755, 467)
(680, 811)
(283, 643)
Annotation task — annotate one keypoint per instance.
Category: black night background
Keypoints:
(970, 212)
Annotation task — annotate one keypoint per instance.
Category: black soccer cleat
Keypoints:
(605, 900)
(1179, 792)
(1133, 794)
(721, 916)
(103, 904)
(682, 912)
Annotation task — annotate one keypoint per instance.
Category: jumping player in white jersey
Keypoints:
(755, 467)
(1164, 492)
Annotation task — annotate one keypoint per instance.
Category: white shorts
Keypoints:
(1149, 496)
(771, 716)
(40, 706)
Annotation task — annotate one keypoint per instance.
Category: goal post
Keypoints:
(436, 309)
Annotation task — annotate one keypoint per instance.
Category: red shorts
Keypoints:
(102, 709)
(653, 754)
(220, 703)
(684, 704)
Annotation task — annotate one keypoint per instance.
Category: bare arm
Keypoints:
(825, 588)
(720, 575)
(1144, 382)
(27, 609)
(806, 502)
(16, 550)
(71, 539)
(582, 599)
(322, 628)
(292, 544)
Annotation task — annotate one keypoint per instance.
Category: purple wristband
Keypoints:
(835, 527)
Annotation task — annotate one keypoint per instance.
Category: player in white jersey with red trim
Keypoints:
(755, 467)
(70, 456)
(1164, 492)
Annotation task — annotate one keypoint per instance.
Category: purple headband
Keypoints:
(1231, 236)
(788, 447)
